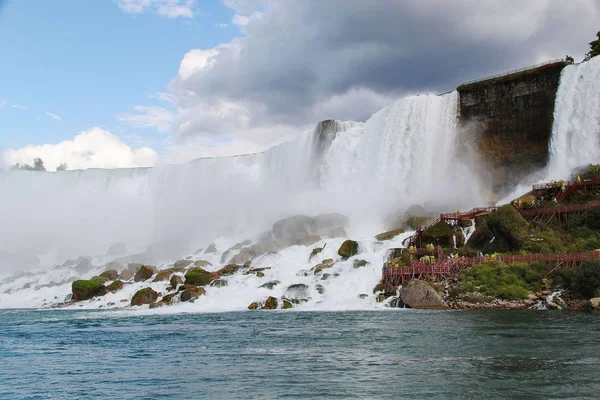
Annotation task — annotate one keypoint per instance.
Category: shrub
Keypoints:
(498, 280)
(581, 282)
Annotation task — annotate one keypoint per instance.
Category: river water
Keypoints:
(299, 355)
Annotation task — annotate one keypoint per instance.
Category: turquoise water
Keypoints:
(371, 355)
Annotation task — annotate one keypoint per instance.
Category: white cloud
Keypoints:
(53, 116)
(18, 107)
(165, 8)
(222, 25)
(95, 148)
(149, 117)
(243, 20)
(2, 104)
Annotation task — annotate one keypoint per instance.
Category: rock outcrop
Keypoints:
(419, 294)
(86, 289)
(144, 273)
(199, 277)
(144, 296)
(348, 249)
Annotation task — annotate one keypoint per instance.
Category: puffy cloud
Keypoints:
(95, 148)
(149, 117)
(53, 116)
(299, 62)
(165, 8)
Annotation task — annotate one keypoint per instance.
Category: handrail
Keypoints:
(512, 72)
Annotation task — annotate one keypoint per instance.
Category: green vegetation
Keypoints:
(389, 235)
(509, 229)
(594, 48)
(581, 282)
(85, 289)
(509, 282)
(439, 234)
(199, 277)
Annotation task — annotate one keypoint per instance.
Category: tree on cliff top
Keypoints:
(594, 48)
(38, 165)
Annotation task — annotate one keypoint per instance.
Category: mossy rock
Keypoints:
(169, 297)
(86, 289)
(415, 222)
(144, 273)
(465, 223)
(102, 279)
(253, 306)
(360, 263)
(260, 274)
(348, 249)
(588, 172)
(115, 286)
(200, 277)
(481, 219)
(271, 303)
(509, 229)
(480, 238)
(110, 274)
(389, 235)
(460, 239)
(144, 296)
(439, 234)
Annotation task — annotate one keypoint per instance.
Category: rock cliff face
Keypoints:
(511, 117)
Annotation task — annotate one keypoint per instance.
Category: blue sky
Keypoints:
(89, 61)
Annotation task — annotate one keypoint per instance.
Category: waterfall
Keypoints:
(576, 132)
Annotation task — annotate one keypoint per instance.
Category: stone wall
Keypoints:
(509, 119)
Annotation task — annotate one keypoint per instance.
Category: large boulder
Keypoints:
(110, 274)
(439, 234)
(86, 289)
(165, 274)
(115, 286)
(175, 281)
(200, 277)
(271, 303)
(144, 296)
(509, 229)
(269, 285)
(192, 294)
(298, 291)
(228, 270)
(144, 273)
(348, 249)
(389, 235)
(211, 249)
(182, 263)
(419, 294)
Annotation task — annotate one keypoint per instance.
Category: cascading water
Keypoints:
(402, 155)
(576, 132)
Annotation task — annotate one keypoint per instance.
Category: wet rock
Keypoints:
(325, 277)
(219, 283)
(260, 274)
(595, 302)
(269, 285)
(419, 294)
(320, 288)
(228, 270)
(110, 274)
(315, 251)
(144, 273)
(126, 275)
(348, 249)
(360, 263)
(363, 296)
(247, 264)
(253, 306)
(211, 249)
(389, 235)
(287, 304)
(165, 274)
(182, 263)
(86, 289)
(200, 277)
(327, 261)
(297, 292)
(192, 294)
(396, 302)
(202, 263)
(175, 281)
(319, 268)
(169, 298)
(102, 279)
(144, 296)
(465, 223)
(115, 286)
(158, 304)
(271, 303)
